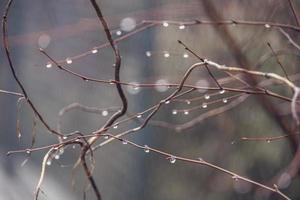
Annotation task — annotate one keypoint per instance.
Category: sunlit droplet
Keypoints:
(222, 91)
(181, 27)
(174, 112)
(27, 151)
(167, 102)
(65, 137)
(165, 24)
(139, 116)
(104, 113)
(268, 141)
(206, 96)
(146, 149)
(186, 112)
(148, 53)
(74, 146)
(172, 159)
(57, 156)
(166, 54)
(49, 65)
(69, 60)
(115, 127)
(225, 100)
(204, 105)
(267, 26)
(94, 50)
(119, 33)
(185, 55)
(188, 102)
(106, 137)
(124, 142)
(49, 162)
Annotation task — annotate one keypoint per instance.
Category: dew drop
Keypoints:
(167, 102)
(119, 33)
(27, 151)
(104, 113)
(56, 156)
(166, 54)
(165, 24)
(181, 27)
(94, 50)
(188, 102)
(204, 105)
(124, 142)
(49, 162)
(174, 112)
(115, 127)
(206, 96)
(172, 159)
(267, 26)
(225, 100)
(222, 91)
(146, 149)
(69, 61)
(49, 65)
(74, 146)
(186, 112)
(139, 116)
(268, 141)
(65, 137)
(106, 137)
(148, 53)
(185, 55)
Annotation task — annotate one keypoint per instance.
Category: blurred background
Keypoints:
(67, 28)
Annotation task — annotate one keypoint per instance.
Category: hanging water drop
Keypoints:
(185, 55)
(166, 54)
(49, 162)
(165, 24)
(119, 33)
(69, 61)
(106, 137)
(139, 116)
(74, 146)
(225, 100)
(172, 159)
(206, 96)
(28, 151)
(57, 156)
(174, 112)
(204, 105)
(167, 102)
(94, 50)
(49, 65)
(181, 27)
(124, 142)
(222, 91)
(104, 113)
(268, 141)
(186, 112)
(146, 149)
(188, 102)
(267, 26)
(148, 54)
(115, 127)
(65, 137)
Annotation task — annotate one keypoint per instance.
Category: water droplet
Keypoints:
(185, 55)
(188, 102)
(148, 53)
(133, 88)
(206, 96)
(146, 149)
(165, 24)
(186, 112)
(225, 100)
(139, 116)
(56, 156)
(94, 50)
(172, 159)
(49, 65)
(267, 26)
(124, 142)
(28, 151)
(167, 102)
(49, 162)
(235, 177)
(204, 105)
(115, 127)
(69, 60)
(65, 137)
(174, 112)
(268, 141)
(106, 137)
(119, 33)
(128, 24)
(104, 113)
(181, 27)
(74, 146)
(222, 91)
(166, 54)
(162, 85)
